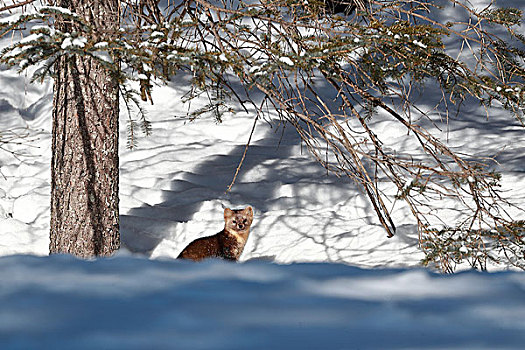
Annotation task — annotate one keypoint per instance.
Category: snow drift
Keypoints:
(127, 303)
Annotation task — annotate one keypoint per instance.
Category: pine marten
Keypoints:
(227, 244)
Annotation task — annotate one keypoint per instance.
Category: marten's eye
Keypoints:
(234, 221)
(244, 221)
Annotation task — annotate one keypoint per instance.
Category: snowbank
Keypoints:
(127, 303)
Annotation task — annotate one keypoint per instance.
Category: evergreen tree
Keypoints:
(84, 168)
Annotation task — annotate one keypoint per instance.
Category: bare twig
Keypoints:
(15, 5)
(243, 155)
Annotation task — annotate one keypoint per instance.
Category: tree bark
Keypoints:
(84, 169)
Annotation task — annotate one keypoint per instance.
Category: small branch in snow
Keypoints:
(15, 5)
(243, 155)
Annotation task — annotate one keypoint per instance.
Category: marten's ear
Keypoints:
(248, 211)
(228, 213)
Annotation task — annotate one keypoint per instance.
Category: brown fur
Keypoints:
(227, 244)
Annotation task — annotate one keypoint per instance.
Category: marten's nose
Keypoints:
(241, 226)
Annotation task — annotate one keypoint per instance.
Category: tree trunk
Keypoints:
(84, 169)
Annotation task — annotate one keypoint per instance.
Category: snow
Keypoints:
(419, 43)
(10, 19)
(57, 9)
(101, 45)
(286, 60)
(68, 42)
(131, 303)
(317, 273)
(32, 37)
(103, 55)
(80, 42)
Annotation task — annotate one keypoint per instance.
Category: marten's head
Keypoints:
(239, 220)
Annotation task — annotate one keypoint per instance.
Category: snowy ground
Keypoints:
(130, 303)
(172, 190)
(173, 187)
